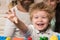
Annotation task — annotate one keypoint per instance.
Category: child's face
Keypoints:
(40, 19)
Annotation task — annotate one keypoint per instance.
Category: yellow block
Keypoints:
(8, 38)
(53, 37)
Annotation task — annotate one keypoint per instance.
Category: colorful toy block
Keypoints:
(15, 38)
(53, 37)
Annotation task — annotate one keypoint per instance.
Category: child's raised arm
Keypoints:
(12, 17)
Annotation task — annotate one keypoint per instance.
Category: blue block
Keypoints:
(58, 37)
(2, 37)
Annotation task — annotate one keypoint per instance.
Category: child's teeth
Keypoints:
(40, 24)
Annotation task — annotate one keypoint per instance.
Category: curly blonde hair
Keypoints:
(42, 7)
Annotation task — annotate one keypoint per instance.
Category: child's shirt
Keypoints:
(36, 35)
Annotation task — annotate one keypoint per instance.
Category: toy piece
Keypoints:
(53, 37)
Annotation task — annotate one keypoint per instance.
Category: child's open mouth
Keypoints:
(40, 24)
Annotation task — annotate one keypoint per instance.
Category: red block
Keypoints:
(29, 38)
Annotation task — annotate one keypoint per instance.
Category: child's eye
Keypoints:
(36, 17)
(43, 17)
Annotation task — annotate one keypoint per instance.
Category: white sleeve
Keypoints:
(9, 28)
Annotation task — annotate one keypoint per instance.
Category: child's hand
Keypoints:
(12, 16)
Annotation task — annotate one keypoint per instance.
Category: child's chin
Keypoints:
(41, 29)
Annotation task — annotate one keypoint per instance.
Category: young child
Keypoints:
(40, 15)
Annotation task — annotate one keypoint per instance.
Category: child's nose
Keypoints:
(40, 19)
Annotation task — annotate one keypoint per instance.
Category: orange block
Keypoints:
(15, 38)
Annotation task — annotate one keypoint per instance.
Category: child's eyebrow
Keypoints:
(52, 0)
(41, 16)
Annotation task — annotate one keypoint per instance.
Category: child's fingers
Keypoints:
(10, 11)
(7, 17)
(11, 16)
(15, 19)
(14, 12)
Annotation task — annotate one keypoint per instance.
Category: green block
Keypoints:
(41, 38)
(45, 38)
